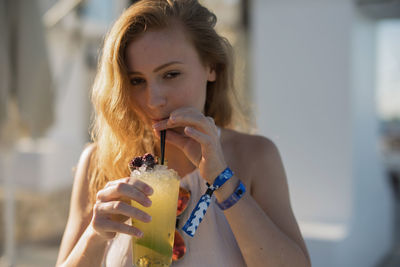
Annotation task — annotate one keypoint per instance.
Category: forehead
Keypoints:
(157, 47)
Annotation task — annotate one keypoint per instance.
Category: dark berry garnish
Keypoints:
(148, 157)
(147, 160)
(135, 163)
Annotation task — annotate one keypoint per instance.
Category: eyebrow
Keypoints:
(159, 67)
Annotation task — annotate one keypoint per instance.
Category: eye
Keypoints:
(137, 81)
(171, 74)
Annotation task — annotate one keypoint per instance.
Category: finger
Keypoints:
(111, 226)
(167, 123)
(120, 207)
(177, 139)
(142, 186)
(193, 118)
(123, 190)
(204, 140)
(196, 120)
(113, 182)
(189, 146)
(183, 110)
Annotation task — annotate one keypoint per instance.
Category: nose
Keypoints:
(156, 97)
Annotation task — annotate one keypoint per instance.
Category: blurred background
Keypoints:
(322, 79)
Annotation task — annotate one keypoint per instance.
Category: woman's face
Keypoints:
(165, 74)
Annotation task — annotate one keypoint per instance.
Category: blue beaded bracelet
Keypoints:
(232, 199)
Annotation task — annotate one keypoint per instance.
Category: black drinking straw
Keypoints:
(163, 132)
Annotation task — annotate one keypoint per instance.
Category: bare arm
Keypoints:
(78, 237)
(89, 227)
(262, 221)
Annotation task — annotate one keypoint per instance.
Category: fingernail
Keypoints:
(149, 190)
(139, 234)
(148, 218)
(148, 202)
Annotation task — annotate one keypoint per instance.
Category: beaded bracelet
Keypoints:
(232, 199)
(201, 207)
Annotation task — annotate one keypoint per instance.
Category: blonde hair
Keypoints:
(118, 132)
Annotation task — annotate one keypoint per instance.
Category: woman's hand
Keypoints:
(200, 140)
(112, 207)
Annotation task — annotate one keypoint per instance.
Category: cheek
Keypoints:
(137, 96)
(137, 103)
(193, 93)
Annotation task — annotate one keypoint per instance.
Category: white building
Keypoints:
(313, 75)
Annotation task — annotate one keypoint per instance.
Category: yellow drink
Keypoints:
(155, 247)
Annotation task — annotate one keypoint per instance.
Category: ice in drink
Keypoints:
(155, 247)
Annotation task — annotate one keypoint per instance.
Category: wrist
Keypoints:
(96, 237)
(238, 193)
(227, 189)
(211, 178)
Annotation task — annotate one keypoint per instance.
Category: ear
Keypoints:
(211, 74)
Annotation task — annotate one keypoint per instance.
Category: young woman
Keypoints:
(163, 67)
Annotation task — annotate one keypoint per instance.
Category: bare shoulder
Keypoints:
(80, 211)
(251, 155)
(257, 162)
(255, 143)
(80, 187)
(86, 155)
